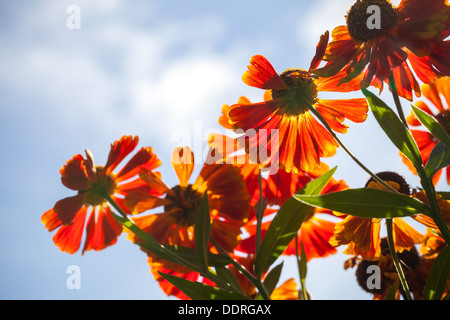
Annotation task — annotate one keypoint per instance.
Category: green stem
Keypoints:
(359, 163)
(256, 282)
(394, 256)
(430, 192)
(142, 235)
(259, 214)
(396, 97)
(424, 180)
(387, 186)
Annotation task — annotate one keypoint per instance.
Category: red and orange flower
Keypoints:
(294, 138)
(92, 183)
(380, 47)
(316, 230)
(362, 235)
(438, 93)
(229, 203)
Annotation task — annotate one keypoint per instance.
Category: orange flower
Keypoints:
(438, 93)
(229, 204)
(415, 268)
(314, 233)
(362, 235)
(413, 32)
(80, 174)
(444, 208)
(293, 137)
(432, 245)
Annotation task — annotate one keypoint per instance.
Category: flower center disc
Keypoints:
(367, 19)
(185, 204)
(302, 92)
(94, 195)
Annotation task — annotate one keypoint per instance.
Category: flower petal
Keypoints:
(68, 208)
(101, 232)
(261, 74)
(74, 175)
(119, 150)
(143, 159)
(183, 163)
(68, 237)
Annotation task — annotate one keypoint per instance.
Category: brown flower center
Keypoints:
(301, 94)
(444, 119)
(368, 19)
(103, 184)
(185, 204)
(391, 178)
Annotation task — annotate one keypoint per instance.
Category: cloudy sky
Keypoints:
(157, 69)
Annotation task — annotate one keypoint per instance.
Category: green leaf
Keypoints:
(202, 232)
(438, 277)
(367, 203)
(392, 291)
(272, 278)
(286, 224)
(201, 291)
(303, 271)
(191, 255)
(228, 276)
(432, 125)
(394, 128)
(152, 245)
(439, 158)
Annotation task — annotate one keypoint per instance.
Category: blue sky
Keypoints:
(153, 69)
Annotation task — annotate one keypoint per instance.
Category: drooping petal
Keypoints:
(183, 163)
(405, 236)
(68, 237)
(67, 208)
(139, 202)
(119, 150)
(320, 51)
(432, 93)
(249, 116)
(227, 191)
(102, 230)
(74, 175)
(50, 220)
(166, 286)
(261, 74)
(143, 159)
(352, 109)
(315, 235)
(288, 290)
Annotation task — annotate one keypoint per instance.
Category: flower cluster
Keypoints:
(265, 193)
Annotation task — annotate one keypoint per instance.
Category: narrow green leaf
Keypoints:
(432, 125)
(303, 269)
(152, 245)
(439, 158)
(367, 203)
(201, 291)
(202, 232)
(438, 277)
(272, 278)
(191, 255)
(392, 291)
(394, 128)
(286, 224)
(225, 274)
